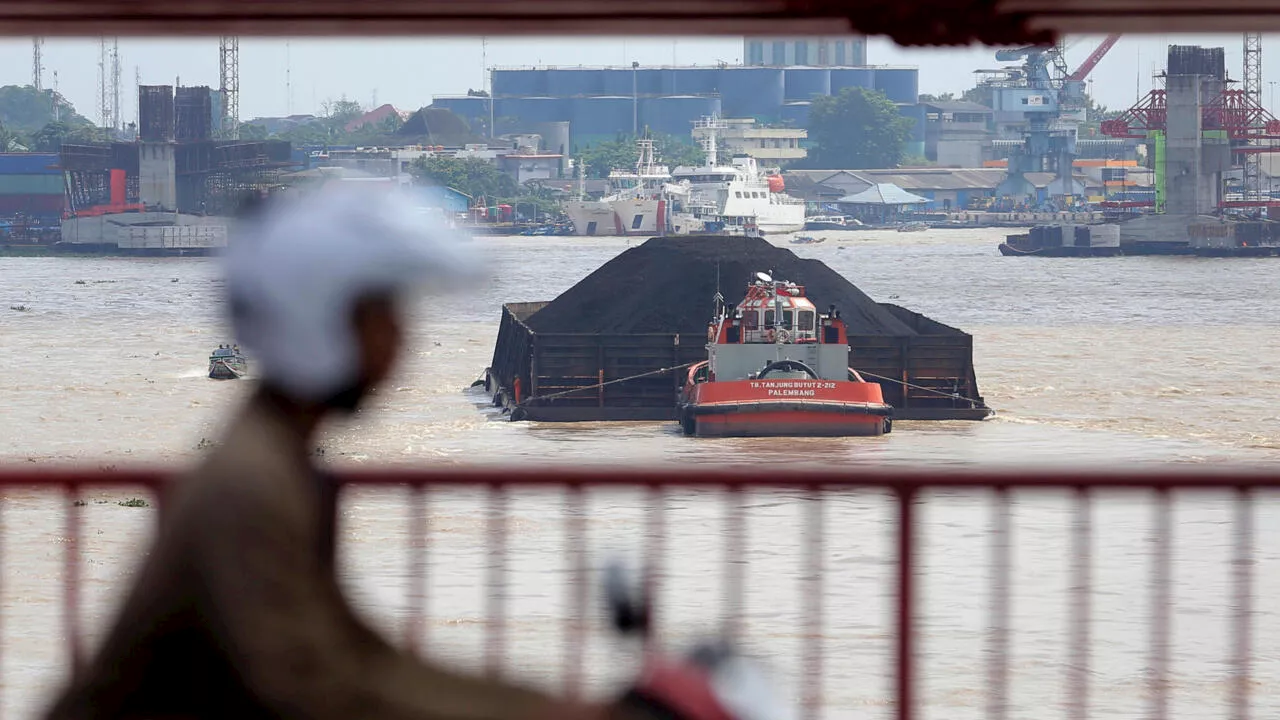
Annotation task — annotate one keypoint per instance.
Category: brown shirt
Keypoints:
(238, 614)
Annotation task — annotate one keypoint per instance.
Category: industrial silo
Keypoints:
(468, 108)
(649, 81)
(675, 115)
(805, 83)
(533, 110)
(842, 78)
(902, 85)
(796, 114)
(694, 81)
(574, 82)
(519, 83)
(601, 119)
(555, 137)
(616, 81)
(751, 92)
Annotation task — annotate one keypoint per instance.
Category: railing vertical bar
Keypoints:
(417, 586)
(576, 619)
(734, 562)
(497, 581)
(906, 603)
(71, 580)
(1079, 615)
(813, 589)
(1242, 619)
(1161, 584)
(655, 562)
(998, 640)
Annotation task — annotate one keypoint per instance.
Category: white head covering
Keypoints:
(294, 274)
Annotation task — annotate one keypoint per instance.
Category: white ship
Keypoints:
(635, 205)
(736, 199)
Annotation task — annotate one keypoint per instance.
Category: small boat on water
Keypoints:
(227, 363)
(831, 222)
(777, 367)
(806, 240)
(913, 227)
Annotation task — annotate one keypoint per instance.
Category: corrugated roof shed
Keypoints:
(883, 194)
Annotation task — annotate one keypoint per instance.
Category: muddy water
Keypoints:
(1089, 362)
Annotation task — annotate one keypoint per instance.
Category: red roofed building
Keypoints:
(373, 117)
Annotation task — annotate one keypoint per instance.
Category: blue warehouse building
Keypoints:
(601, 103)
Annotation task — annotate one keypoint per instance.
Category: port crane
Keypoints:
(1051, 99)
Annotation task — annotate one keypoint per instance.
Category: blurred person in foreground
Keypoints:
(237, 611)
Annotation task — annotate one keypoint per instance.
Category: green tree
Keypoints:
(473, 176)
(859, 128)
(941, 97)
(25, 109)
(250, 131)
(982, 94)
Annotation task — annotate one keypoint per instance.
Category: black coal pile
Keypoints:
(668, 285)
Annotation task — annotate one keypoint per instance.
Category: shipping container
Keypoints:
(29, 164)
(33, 205)
(31, 184)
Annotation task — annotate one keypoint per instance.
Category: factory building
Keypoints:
(602, 103)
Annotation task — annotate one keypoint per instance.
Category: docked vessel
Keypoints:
(636, 204)
(777, 367)
(227, 363)
(735, 199)
(831, 222)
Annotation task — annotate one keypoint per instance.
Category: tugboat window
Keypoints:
(806, 321)
(751, 320)
(768, 318)
(788, 318)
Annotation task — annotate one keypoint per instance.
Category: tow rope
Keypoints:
(943, 393)
(609, 382)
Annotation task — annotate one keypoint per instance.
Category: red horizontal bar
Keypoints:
(899, 481)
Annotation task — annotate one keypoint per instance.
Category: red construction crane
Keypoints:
(1094, 58)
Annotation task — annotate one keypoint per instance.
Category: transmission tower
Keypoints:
(229, 80)
(37, 67)
(1253, 91)
(104, 96)
(115, 85)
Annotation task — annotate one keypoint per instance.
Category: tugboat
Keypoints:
(226, 363)
(778, 368)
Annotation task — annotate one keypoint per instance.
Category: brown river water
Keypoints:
(1110, 363)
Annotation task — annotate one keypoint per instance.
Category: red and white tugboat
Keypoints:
(776, 367)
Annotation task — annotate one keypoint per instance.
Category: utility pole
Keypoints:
(37, 67)
(487, 79)
(635, 101)
(1253, 92)
(229, 85)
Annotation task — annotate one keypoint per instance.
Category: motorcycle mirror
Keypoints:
(626, 600)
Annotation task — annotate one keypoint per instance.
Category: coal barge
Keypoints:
(619, 344)
(1197, 236)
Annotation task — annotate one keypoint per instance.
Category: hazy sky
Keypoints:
(277, 77)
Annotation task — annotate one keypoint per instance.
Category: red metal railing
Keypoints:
(904, 489)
